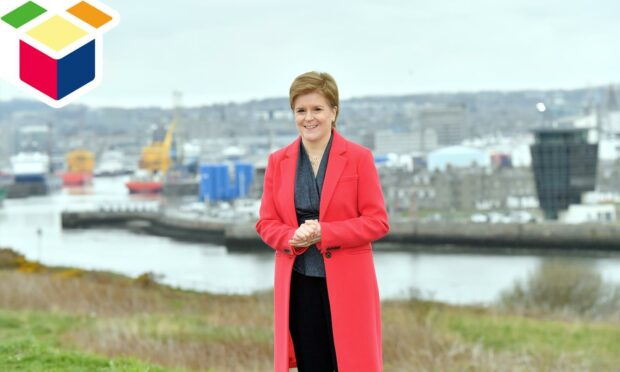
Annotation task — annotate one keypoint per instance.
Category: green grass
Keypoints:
(29, 341)
(32, 340)
(592, 343)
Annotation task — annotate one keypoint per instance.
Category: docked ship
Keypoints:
(80, 165)
(111, 163)
(31, 173)
(155, 161)
(144, 182)
(31, 165)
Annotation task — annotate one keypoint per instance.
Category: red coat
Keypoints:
(352, 215)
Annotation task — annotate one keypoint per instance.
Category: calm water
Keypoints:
(32, 227)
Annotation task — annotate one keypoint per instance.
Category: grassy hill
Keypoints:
(64, 319)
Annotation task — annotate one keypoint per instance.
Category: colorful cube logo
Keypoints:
(53, 48)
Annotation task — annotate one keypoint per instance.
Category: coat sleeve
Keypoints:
(270, 227)
(372, 221)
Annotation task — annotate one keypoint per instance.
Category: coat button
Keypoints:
(328, 254)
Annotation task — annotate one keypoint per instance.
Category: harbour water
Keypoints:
(32, 227)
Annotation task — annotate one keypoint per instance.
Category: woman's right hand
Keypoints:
(304, 232)
(305, 235)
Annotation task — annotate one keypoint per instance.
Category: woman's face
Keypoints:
(314, 117)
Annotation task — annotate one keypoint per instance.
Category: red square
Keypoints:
(38, 70)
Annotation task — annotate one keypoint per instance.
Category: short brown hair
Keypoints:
(320, 82)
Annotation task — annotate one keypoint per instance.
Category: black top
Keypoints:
(307, 204)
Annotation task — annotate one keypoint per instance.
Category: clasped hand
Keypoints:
(307, 234)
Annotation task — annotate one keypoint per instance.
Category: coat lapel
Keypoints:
(335, 165)
(288, 167)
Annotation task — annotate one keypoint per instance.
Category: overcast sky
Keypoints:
(217, 51)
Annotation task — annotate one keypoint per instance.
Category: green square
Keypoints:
(24, 14)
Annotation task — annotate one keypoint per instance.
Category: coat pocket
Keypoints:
(348, 178)
(361, 250)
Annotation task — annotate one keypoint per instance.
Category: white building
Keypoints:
(457, 157)
(583, 213)
(517, 147)
(404, 143)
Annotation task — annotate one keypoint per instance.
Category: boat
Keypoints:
(111, 163)
(155, 161)
(80, 165)
(72, 179)
(30, 174)
(30, 167)
(144, 182)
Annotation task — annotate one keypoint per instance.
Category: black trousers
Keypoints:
(310, 324)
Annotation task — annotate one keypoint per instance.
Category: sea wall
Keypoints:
(243, 236)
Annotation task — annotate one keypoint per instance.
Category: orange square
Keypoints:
(89, 14)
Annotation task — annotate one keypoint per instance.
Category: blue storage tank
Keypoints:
(207, 178)
(244, 175)
(222, 183)
(214, 183)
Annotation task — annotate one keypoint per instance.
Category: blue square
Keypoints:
(76, 70)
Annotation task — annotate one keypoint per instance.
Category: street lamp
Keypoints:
(541, 108)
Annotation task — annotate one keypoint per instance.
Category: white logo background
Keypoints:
(10, 37)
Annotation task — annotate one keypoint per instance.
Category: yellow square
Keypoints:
(56, 33)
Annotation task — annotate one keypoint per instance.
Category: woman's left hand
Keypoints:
(315, 237)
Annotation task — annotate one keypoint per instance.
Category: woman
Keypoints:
(322, 207)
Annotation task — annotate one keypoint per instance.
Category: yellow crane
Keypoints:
(156, 156)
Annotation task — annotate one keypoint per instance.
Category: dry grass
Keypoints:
(415, 339)
(123, 317)
(142, 319)
(158, 325)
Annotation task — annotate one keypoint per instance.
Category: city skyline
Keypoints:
(217, 52)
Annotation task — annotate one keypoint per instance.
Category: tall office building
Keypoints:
(449, 123)
(564, 166)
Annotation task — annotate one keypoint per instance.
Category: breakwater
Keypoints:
(242, 235)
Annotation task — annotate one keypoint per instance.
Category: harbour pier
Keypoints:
(242, 236)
